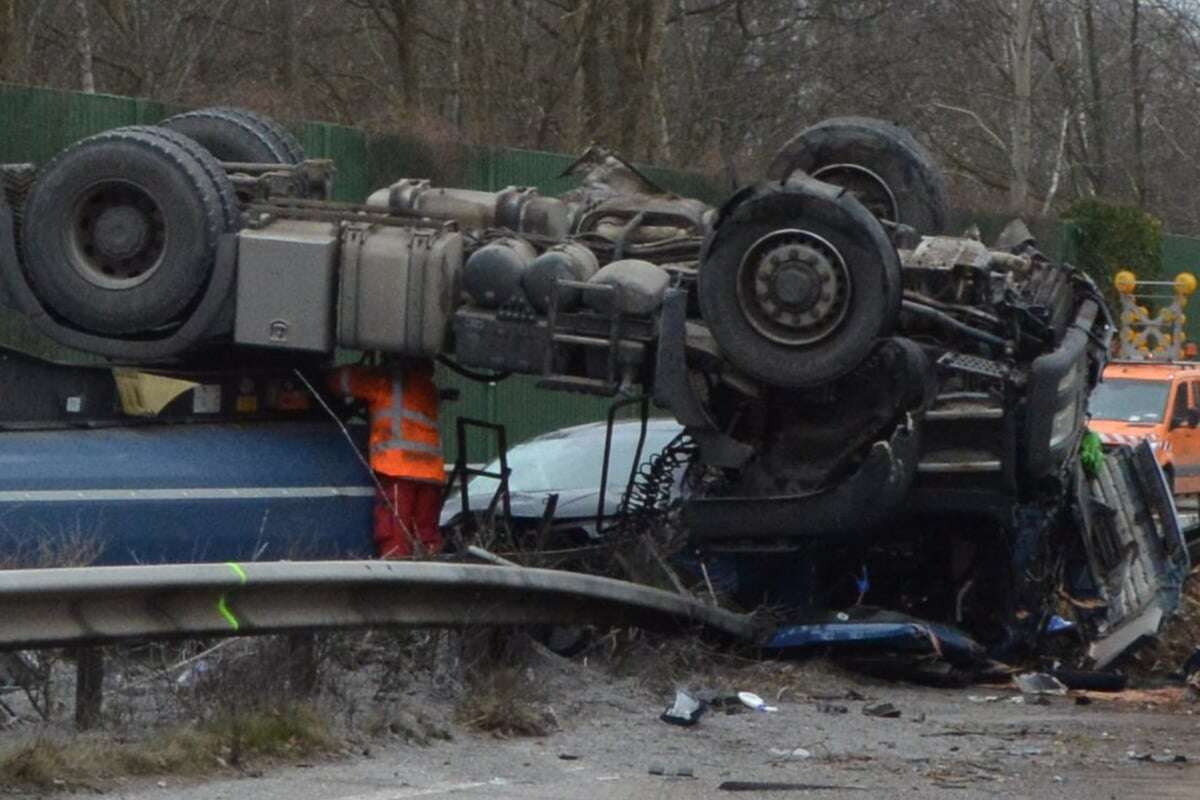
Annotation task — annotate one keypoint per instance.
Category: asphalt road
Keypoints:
(945, 745)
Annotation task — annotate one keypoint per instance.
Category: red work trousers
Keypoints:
(406, 512)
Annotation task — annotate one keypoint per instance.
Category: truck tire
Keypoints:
(273, 128)
(212, 168)
(16, 180)
(121, 232)
(881, 163)
(797, 283)
(232, 134)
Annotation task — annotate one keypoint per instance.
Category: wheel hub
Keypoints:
(797, 286)
(794, 287)
(117, 234)
(121, 232)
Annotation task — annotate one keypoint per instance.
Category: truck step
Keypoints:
(959, 461)
(959, 414)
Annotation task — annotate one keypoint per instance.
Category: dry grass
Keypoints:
(49, 549)
(1179, 639)
(224, 742)
(663, 663)
(504, 703)
(411, 727)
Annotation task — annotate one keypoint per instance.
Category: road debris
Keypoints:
(781, 755)
(1039, 683)
(667, 772)
(884, 710)
(774, 786)
(755, 703)
(1191, 670)
(729, 703)
(1166, 757)
(831, 708)
(1090, 680)
(685, 712)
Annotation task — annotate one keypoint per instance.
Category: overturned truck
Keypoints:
(876, 414)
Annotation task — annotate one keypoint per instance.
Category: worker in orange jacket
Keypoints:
(406, 452)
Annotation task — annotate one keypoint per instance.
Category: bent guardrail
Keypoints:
(91, 605)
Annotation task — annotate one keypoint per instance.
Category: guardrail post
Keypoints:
(89, 687)
(302, 663)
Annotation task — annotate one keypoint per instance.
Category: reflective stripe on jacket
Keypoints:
(404, 418)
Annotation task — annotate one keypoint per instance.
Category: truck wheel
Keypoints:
(121, 232)
(15, 182)
(212, 168)
(797, 283)
(232, 134)
(881, 163)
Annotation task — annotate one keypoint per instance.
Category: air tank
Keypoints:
(493, 274)
(569, 261)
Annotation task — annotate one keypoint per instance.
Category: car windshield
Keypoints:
(572, 460)
(1130, 401)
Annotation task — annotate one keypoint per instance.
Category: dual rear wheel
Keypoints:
(120, 231)
(801, 278)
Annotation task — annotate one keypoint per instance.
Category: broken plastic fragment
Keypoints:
(1039, 683)
(797, 754)
(885, 710)
(685, 712)
(754, 702)
(1157, 758)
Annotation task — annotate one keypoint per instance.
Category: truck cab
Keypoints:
(1158, 403)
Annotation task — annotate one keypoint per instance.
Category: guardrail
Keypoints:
(93, 605)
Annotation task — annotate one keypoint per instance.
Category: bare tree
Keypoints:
(1137, 92)
(1020, 53)
(1028, 104)
(1097, 109)
(87, 73)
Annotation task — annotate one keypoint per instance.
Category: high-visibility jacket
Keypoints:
(403, 403)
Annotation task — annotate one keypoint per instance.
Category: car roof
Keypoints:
(1151, 370)
(598, 428)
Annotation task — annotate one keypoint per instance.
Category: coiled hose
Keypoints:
(647, 498)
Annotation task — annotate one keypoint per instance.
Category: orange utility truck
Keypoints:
(1148, 392)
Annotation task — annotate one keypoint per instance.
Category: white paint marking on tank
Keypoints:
(215, 493)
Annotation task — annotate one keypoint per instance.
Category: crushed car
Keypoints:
(554, 485)
(876, 413)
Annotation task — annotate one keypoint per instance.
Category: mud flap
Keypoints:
(1136, 552)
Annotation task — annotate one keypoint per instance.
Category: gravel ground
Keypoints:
(609, 738)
